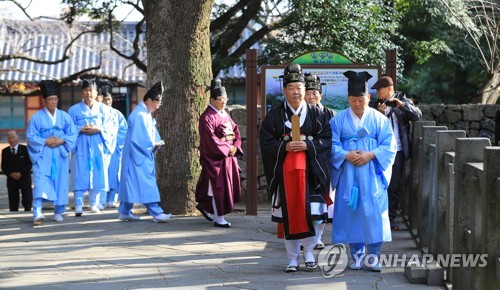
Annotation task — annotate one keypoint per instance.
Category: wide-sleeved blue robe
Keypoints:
(114, 170)
(138, 178)
(369, 222)
(92, 153)
(51, 165)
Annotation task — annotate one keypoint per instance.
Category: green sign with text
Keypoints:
(322, 57)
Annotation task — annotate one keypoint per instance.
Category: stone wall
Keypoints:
(476, 120)
(454, 183)
(238, 114)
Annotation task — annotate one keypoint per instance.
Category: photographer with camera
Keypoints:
(401, 110)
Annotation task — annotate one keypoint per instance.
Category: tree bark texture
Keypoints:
(179, 55)
(491, 89)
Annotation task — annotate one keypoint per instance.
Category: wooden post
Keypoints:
(391, 65)
(497, 128)
(251, 96)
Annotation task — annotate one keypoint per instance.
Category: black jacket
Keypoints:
(406, 113)
(16, 163)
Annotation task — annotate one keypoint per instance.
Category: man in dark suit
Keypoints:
(16, 164)
(400, 110)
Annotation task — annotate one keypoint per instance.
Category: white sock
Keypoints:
(217, 218)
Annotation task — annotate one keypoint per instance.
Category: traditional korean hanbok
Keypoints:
(114, 170)
(220, 174)
(92, 153)
(360, 214)
(51, 165)
(297, 210)
(138, 178)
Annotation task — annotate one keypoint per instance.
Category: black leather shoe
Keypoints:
(204, 213)
(217, 225)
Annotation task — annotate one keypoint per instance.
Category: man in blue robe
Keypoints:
(51, 136)
(114, 170)
(138, 179)
(94, 147)
(363, 151)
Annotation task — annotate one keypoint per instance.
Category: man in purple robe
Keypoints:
(220, 142)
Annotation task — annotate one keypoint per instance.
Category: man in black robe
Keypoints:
(296, 171)
(314, 95)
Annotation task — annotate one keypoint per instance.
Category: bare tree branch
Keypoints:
(229, 37)
(23, 9)
(135, 5)
(224, 19)
(238, 53)
(134, 57)
(76, 75)
(66, 54)
(468, 29)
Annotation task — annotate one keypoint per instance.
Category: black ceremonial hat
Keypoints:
(89, 83)
(216, 89)
(105, 88)
(48, 88)
(155, 92)
(313, 82)
(357, 83)
(105, 91)
(293, 74)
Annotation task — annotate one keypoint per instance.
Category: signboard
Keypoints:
(321, 57)
(334, 92)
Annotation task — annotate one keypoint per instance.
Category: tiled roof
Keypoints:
(47, 40)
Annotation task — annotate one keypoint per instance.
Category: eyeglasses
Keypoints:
(51, 99)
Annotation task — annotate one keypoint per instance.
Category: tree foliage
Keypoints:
(479, 21)
(255, 18)
(451, 50)
(360, 30)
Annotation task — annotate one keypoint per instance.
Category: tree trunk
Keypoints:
(179, 55)
(491, 89)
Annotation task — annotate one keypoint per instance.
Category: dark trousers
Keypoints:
(13, 187)
(396, 183)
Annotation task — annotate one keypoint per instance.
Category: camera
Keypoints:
(387, 103)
